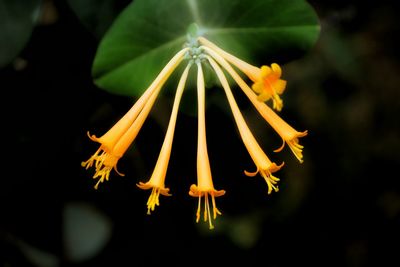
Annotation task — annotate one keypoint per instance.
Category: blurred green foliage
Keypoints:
(97, 15)
(17, 20)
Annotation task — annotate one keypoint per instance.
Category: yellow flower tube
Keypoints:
(264, 165)
(115, 142)
(251, 71)
(267, 82)
(109, 139)
(288, 134)
(157, 179)
(204, 187)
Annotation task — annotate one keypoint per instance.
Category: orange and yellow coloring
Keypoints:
(288, 134)
(266, 84)
(270, 85)
(157, 179)
(205, 186)
(264, 165)
(117, 140)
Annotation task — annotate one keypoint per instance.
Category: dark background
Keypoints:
(341, 207)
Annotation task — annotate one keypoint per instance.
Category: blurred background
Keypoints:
(341, 207)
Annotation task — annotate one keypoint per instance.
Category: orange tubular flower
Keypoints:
(157, 179)
(116, 141)
(288, 134)
(264, 165)
(269, 85)
(267, 82)
(204, 187)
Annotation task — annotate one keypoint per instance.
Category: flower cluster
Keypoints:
(266, 85)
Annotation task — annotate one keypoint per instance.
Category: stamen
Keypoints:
(295, 147)
(102, 174)
(206, 207)
(96, 186)
(198, 209)
(215, 209)
(277, 102)
(271, 181)
(100, 160)
(207, 212)
(153, 200)
(89, 163)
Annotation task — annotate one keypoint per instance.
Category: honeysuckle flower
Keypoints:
(264, 165)
(267, 82)
(157, 179)
(269, 85)
(116, 141)
(205, 186)
(288, 134)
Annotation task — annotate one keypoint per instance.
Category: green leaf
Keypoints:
(149, 32)
(17, 20)
(97, 15)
